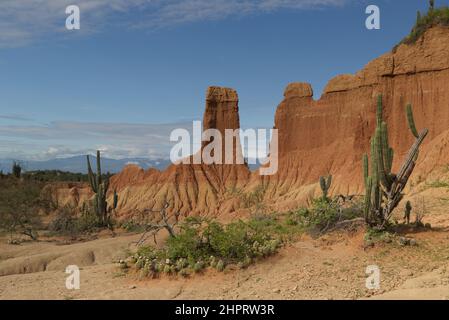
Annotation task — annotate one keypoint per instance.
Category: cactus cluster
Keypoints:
(384, 188)
(325, 184)
(100, 187)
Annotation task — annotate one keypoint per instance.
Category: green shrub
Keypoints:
(132, 226)
(254, 198)
(20, 204)
(54, 176)
(324, 214)
(433, 17)
(220, 265)
(67, 223)
(188, 243)
(373, 236)
(202, 243)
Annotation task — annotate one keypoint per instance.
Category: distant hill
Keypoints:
(77, 164)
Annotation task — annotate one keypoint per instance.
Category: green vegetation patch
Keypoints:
(433, 17)
(202, 243)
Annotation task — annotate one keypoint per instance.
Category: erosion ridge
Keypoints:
(316, 137)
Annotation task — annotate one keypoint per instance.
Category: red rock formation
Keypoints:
(330, 135)
(316, 137)
(189, 188)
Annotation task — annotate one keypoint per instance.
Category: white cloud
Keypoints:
(64, 139)
(178, 12)
(24, 21)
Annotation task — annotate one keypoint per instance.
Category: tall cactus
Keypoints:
(384, 188)
(325, 185)
(100, 187)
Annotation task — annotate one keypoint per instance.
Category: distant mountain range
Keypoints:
(77, 164)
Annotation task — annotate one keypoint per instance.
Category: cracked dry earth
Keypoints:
(331, 267)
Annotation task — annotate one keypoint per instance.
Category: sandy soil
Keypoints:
(331, 267)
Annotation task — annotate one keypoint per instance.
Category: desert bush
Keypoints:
(20, 204)
(152, 229)
(67, 222)
(202, 243)
(374, 236)
(420, 213)
(323, 214)
(133, 226)
(64, 222)
(254, 198)
(54, 176)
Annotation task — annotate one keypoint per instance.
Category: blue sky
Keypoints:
(138, 68)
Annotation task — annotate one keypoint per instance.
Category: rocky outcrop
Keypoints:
(330, 135)
(188, 188)
(316, 137)
(63, 194)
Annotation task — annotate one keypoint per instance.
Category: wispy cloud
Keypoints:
(178, 12)
(63, 139)
(15, 117)
(24, 21)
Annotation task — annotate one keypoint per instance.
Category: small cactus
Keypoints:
(220, 266)
(140, 263)
(198, 266)
(325, 184)
(181, 264)
(167, 269)
(158, 267)
(212, 262)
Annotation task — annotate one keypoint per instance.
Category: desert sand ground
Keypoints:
(330, 267)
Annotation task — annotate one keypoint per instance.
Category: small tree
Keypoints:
(16, 169)
(431, 5)
(384, 188)
(152, 229)
(19, 208)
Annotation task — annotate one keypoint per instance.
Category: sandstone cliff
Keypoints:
(316, 137)
(188, 188)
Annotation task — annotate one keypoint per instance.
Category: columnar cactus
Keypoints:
(115, 200)
(325, 185)
(384, 188)
(100, 187)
